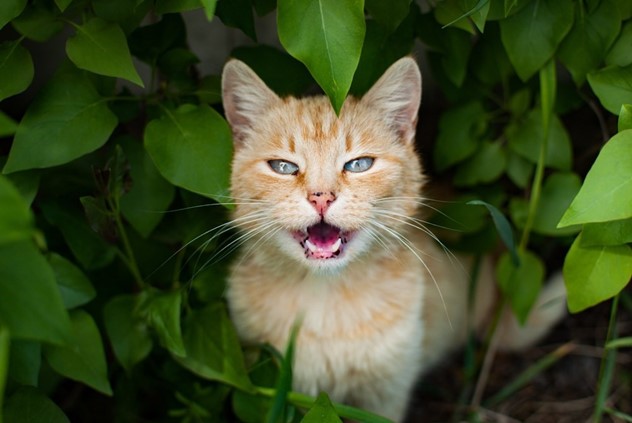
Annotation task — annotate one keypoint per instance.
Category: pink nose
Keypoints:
(321, 201)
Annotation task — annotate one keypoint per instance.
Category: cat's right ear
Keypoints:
(245, 97)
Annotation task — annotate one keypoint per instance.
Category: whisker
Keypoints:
(409, 245)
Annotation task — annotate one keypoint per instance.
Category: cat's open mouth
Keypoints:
(322, 241)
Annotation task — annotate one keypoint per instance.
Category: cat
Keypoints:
(328, 210)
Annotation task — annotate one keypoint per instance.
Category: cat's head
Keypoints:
(319, 188)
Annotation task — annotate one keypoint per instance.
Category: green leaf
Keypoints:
(213, 351)
(7, 125)
(456, 49)
(503, 227)
(327, 36)
(149, 42)
(284, 383)
(83, 358)
(90, 250)
(74, 286)
(322, 411)
(209, 8)
(519, 169)
(192, 148)
(30, 304)
(532, 35)
(520, 284)
(63, 4)
(525, 137)
(10, 9)
(16, 220)
(16, 69)
(29, 405)
(625, 117)
(620, 343)
(5, 342)
(460, 130)
(388, 14)
(176, 6)
(27, 183)
(144, 205)
(161, 311)
(607, 189)
(39, 22)
(613, 86)
(490, 63)
(595, 274)
(101, 47)
(67, 120)
(460, 217)
(557, 193)
(486, 165)
(237, 14)
(280, 71)
(594, 32)
(620, 53)
(615, 232)
(126, 13)
(128, 333)
(25, 359)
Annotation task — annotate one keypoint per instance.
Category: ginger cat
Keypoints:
(328, 209)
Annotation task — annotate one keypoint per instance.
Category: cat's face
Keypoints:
(315, 187)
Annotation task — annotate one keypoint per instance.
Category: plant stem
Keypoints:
(607, 364)
(129, 257)
(4, 362)
(547, 99)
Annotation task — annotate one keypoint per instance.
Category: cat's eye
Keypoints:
(361, 164)
(283, 167)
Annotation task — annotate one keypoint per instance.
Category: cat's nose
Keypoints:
(321, 201)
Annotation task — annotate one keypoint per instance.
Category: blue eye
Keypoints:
(283, 167)
(361, 164)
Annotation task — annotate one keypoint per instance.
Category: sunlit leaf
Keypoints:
(614, 232)
(625, 117)
(322, 411)
(595, 274)
(607, 189)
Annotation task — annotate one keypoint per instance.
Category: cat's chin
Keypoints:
(323, 242)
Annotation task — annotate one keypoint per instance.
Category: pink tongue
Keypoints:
(323, 235)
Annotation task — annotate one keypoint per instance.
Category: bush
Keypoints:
(115, 196)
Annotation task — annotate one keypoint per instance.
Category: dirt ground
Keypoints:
(563, 393)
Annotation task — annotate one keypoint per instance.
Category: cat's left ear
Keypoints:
(245, 98)
(396, 95)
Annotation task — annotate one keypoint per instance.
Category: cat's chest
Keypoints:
(329, 310)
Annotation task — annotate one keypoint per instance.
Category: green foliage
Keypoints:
(114, 186)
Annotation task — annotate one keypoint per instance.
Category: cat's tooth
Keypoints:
(336, 246)
(311, 247)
